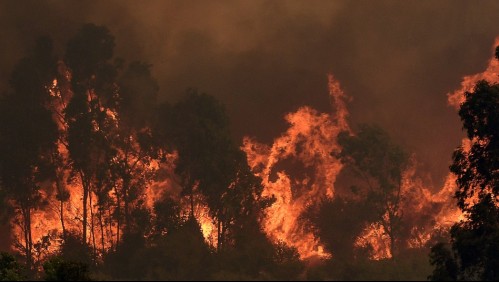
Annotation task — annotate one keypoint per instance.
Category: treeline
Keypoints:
(87, 127)
(89, 120)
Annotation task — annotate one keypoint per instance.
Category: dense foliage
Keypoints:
(474, 245)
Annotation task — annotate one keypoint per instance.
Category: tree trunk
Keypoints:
(110, 234)
(101, 229)
(84, 224)
(118, 217)
(219, 235)
(92, 227)
(61, 200)
(192, 204)
(126, 187)
(392, 240)
(85, 211)
(62, 220)
(27, 236)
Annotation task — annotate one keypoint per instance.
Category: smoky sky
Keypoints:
(396, 59)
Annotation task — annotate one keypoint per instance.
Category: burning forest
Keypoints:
(102, 177)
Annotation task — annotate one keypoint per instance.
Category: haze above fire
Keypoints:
(264, 59)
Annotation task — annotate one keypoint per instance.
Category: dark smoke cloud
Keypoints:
(397, 59)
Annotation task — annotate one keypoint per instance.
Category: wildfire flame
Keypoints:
(419, 198)
(309, 140)
(491, 74)
(308, 143)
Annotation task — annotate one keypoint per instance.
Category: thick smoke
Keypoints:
(397, 59)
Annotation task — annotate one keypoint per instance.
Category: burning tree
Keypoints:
(474, 239)
(72, 128)
(84, 142)
(28, 138)
(211, 165)
(138, 153)
(89, 124)
(380, 164)
(112, 152)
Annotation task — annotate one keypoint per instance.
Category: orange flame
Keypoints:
(417, 203)
(491, 74)
(309, 140)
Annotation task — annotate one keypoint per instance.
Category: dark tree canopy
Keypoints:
(27, 136)
(475, 240)
(138, 95)
(28, 133)
(198, 128)
(10, 270)
(477, 169)
(374, 155)
(379, 163)
(58, 269)
(88, 51)
(446, 268)
(338, 222)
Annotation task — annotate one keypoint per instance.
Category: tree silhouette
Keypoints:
(28, 136)
(474, 241)
(338, 222)
(379, 163)
(136, 144)
(92, 82)
(10, 270)
(197, 127)
(209, 161)
(58, 269)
